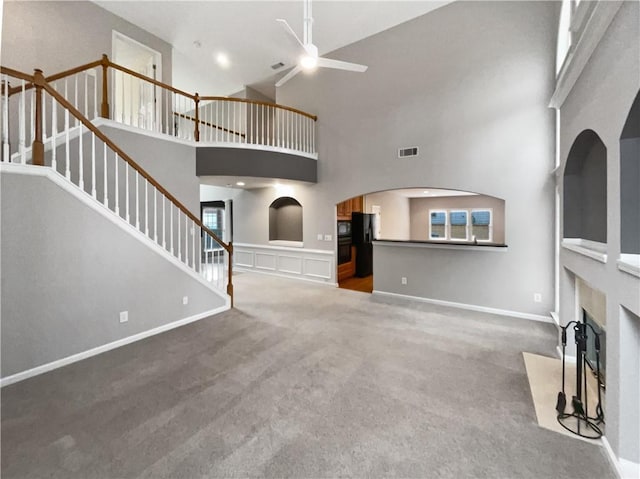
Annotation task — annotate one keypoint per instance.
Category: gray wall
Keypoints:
(420, 213)
(630, 196)
(601, 100)
(223, 161)
(59, 35)
(53, 302)
(471, 89)
(394, 214)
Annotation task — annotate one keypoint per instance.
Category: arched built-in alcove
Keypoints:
(585, 189)
(285, 220)
(630, 182)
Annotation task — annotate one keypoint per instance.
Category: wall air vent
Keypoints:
(406, 152)
(277, 66)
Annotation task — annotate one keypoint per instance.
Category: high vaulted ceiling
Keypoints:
(248, 33)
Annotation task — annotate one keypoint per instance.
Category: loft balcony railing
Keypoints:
(41, 127)
(108, 90)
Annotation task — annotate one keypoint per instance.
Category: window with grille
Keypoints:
(459, 225)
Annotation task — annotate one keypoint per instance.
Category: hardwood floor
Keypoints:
(358, 284)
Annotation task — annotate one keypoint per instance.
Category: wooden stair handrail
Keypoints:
(40, 81)
(108, 63)
(57, 76)
(206, 123)
(258, 102)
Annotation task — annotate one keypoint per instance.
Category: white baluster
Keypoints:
(104, 179)
(67, 171)
(5, 119)
(32, 122)
(22, 120)
(93, 165)
(171, 225)
(186, 240)
(54, 134)
(146, 207)
(81, 159)
(44, 116)
(155, 214)
(200, 249)
(179, 236)
(217, 122)
(117, 190)
(95, 93)
(75, 93)
(262, 123)
(164, 236)
(126, 191)
(227, 125)
(86, 94)
(137, 203)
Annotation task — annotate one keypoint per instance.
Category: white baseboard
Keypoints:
(568, 358)
(624, 468)
(21, 376)
(470, 307)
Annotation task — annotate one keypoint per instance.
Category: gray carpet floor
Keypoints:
(300, 380)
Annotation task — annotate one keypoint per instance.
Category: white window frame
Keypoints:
(466, 226)
(490, 210)
(446, 225)
(469, 227)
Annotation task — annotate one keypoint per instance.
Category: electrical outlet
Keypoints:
(185, 300)
(124, 316)
(319, 236)
(403, 280)
(327, 237)
(537, 298)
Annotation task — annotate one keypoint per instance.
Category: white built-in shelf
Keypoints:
(630, 263)
(590, 249)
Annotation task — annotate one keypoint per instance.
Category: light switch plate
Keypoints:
(327, 237)
(319, 236)
(124, 316)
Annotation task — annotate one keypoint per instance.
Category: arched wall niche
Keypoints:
(285, 219)
(630, 181)
(585, 189)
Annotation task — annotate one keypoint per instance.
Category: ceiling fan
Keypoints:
(309, 58)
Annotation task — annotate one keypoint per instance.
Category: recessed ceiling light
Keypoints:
(240, 183)
(223, 60)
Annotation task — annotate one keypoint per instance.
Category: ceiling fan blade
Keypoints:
(340, 65)
(289, 76)
(291, 33)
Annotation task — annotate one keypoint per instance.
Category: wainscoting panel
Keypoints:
(318, 268)
(306, 264)
(243, 259)
(289, 264)
(266, 261)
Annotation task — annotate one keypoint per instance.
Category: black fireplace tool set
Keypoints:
(579, 422)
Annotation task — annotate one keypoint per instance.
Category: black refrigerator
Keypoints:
(362, 237)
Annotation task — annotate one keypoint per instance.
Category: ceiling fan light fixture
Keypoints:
(308, 62)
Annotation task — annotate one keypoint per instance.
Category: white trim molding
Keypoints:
(630, 263)
(469, 307)
(299, 263)
(590, 249)
(624, 468)
(21, 376)
(595, 26)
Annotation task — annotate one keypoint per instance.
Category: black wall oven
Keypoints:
(344, 242)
